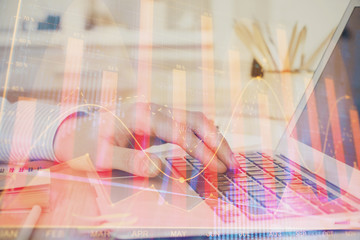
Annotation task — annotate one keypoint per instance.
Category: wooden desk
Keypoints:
(72, 206)
(74, 212)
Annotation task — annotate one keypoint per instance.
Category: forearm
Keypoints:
(28, 129)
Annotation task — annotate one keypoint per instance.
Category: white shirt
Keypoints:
(27, 130)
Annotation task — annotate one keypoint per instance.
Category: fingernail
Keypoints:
(220, 166)
(234, 161)
(152, 170)
(145, 169)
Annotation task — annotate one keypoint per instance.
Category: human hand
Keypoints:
(106, 137)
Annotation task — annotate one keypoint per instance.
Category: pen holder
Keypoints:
(266, 50)
(257, 71)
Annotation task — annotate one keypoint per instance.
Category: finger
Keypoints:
(213, 139)
(133, 161)
(172, 131)
(197, 149)
(205, 130)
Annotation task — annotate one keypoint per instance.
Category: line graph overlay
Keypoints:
(69, 110)
(206, 24)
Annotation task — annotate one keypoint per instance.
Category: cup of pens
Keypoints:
(266, 50)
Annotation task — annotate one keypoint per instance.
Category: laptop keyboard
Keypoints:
(262, 188)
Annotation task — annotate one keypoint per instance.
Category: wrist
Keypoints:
(140, 115)
(64, 138)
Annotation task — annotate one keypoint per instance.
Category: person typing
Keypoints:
(105, 135)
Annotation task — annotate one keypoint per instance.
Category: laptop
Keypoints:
(309, 182)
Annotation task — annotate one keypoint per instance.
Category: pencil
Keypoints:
(290, 49)
(299, 45)
(244, 34)
(273, 47)
(307, 65)
(29, 223)
(259, 38)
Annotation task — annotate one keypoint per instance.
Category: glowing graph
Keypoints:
(106, 80)
(328, 123)
(75, 50)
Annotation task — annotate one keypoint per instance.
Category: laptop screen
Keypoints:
(330, 120)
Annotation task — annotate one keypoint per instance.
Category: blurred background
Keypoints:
(186, 54)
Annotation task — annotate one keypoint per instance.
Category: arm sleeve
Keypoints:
(28, 128)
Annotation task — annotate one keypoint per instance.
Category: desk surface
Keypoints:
(74, 212)
(72, 203)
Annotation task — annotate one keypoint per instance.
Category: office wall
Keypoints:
(176, 33)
